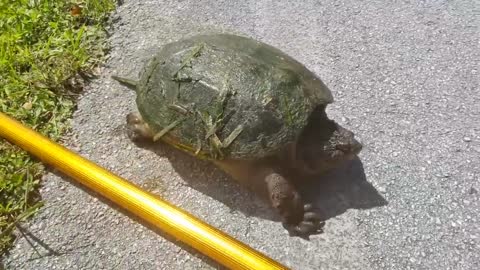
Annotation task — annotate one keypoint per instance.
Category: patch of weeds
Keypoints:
(47, 49)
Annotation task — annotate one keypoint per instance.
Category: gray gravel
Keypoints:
(405, 79)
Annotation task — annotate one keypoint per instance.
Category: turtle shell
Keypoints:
(223, 95)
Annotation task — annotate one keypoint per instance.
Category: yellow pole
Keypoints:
(159, 213)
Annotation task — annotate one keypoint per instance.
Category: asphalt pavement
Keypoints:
(405, 78)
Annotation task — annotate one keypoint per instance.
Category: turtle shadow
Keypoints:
(333, 193)
(342, 189)
(205, 177)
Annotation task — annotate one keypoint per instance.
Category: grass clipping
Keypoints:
(47, 49)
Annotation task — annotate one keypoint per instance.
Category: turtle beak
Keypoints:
(356, 147)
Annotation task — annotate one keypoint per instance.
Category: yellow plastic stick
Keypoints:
(160, 214)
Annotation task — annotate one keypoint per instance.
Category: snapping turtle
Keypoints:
(252, 110)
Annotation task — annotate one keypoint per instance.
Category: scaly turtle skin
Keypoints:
(249, 108)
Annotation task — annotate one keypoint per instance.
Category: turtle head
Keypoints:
(324, 145)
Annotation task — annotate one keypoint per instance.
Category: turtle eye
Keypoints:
(336, 154)
(344, 147)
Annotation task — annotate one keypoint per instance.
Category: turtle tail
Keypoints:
(132, 84)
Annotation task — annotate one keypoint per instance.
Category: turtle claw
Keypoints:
(305, 227)
(311, 216)
(308, 207)
(310, 224)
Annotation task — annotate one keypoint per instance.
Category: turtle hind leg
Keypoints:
(137, 129)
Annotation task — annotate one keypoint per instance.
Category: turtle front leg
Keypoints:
(137, 129)
(298, 218)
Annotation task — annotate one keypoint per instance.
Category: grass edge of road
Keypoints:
(48, 51)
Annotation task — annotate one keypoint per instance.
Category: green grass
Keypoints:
(45, 51)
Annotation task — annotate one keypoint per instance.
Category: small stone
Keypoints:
(27, 105)
(467, 139)
(437, 221)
